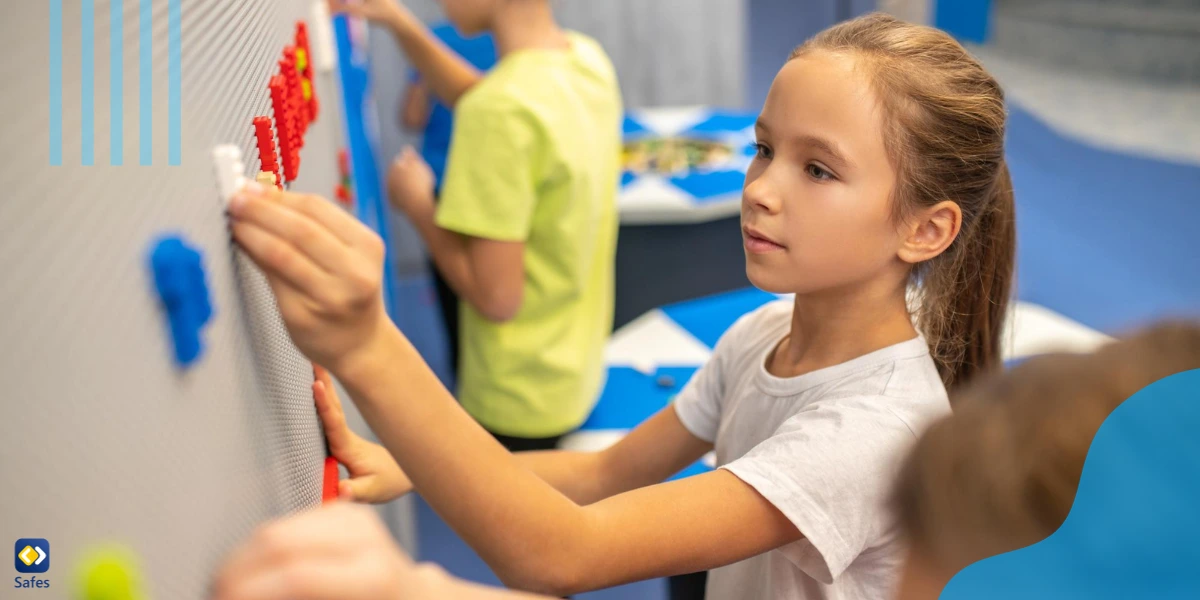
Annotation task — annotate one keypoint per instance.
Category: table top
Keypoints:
(684, 164)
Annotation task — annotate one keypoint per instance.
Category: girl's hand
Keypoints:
(339, 552)
(375, 10)
(324, 267)
(374, 475)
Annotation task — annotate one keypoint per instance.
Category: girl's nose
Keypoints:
(759, 195)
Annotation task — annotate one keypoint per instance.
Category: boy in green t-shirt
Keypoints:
(526, 227)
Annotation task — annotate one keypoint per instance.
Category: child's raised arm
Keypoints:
(325, 270)
(447, 74)
(655, 450)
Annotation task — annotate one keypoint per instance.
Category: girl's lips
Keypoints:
(759, 245)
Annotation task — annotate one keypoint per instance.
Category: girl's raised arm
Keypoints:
(325, 269)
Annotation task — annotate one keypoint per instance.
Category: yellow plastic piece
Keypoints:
(301, 60)
(110, 573)
(265, 178)
(306, 86)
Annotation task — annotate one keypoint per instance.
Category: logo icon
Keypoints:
(32, 555)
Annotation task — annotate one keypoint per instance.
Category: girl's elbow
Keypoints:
(552, 577)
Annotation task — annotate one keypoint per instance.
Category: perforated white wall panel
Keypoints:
(102, 438)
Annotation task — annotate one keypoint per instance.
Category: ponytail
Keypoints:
(965, 298)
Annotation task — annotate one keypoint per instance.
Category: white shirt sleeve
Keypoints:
(698, 405)
(829, 470)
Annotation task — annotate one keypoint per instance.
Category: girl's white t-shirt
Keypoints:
(824, 448)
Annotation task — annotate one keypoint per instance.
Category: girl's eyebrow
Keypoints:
(825, 146)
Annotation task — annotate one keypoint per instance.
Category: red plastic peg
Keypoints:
(329, 481)
(285, 125)
(306, 69)
(266, 147)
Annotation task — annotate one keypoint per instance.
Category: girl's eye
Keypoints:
(816, 172)
(763, 151)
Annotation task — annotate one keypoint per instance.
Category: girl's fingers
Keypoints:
(280, 260)
(357, 489)
(313, 534)
(346, 491)
(297, 229)
(337, 221)
(333, 418)
(305, 578)
(322, 375)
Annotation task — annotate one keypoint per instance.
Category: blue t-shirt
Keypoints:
(480, 51)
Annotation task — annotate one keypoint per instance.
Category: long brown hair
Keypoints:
(945, 120)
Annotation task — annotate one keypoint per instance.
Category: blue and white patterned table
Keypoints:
(687, 196)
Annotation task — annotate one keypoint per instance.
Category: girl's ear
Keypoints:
(930, 232)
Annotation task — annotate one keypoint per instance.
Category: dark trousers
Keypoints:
(517, 444)
(688, 587)
(447, 302)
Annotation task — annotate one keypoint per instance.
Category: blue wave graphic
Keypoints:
(1134, 530)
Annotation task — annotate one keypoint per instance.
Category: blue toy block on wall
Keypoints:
(180, 280)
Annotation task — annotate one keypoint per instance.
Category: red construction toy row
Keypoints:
(294, 101)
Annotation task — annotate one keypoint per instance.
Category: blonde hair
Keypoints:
(944, 132)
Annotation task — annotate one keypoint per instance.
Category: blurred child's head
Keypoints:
(1002, 471)
(881, 163)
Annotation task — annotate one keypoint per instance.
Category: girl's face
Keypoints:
(816, 208)
(470, 17)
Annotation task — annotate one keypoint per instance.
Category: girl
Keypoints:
(880, 164)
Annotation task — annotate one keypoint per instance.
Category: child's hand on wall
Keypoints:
(337, 552)
(410, 185)
(374, 475)
(325, 269)
(374, 10)
(340, 551)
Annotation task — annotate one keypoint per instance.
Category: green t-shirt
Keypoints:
(535, 158)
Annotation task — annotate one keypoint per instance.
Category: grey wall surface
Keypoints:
(103, 439)
(776, 27)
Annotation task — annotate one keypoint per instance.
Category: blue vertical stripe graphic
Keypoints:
(116, 83)
(174, 108)
(87, 98)
(145, 104)
(56, 94)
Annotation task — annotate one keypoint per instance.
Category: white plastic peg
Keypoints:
(230, 171)
(323, 47)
